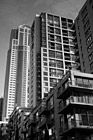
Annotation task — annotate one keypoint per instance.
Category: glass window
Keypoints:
(52, 54)
(46, 78)
(59, 55)
(45, 73)
(53, 82)
(51, 45)
(90, 47)
(84, 11)
(50, 20)
(89, 39)
(86, 25)
(50, 37)
(65, 32)
(85, 18)
(50, 29)
(58, 46)
(65, 40)
(57, 31)
(59, 64)
(56, 21)
(66, 48)
(52, 63)
(91, 66)
(87, 32)
(58, 38)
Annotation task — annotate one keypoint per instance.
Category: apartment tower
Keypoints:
(53, 44)
(84, 33)
(16, 90)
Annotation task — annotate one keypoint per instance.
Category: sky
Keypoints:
(16, 12)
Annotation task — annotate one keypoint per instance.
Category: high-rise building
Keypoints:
(84, 33)
(1, 108)
(52, 53)
(16, 89)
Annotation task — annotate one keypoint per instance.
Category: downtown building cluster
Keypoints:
(42, 99)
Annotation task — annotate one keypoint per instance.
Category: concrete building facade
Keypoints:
(16, 90)
(52, 53)
(84, 33)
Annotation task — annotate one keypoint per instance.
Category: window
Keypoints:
(45, 73)
(58, 47)
(91, 66)
(91, 56)
(51, 37)
(84, 11)
(46, 78)
(66, 48)
(50, 20)
(59, 73)
(87, 32)
(52, 72)
(56, 21)
(51, 45)
(69, 25)
(64, 25)
(45, 84)
(65, 40)
(50, 29)
(52, 63)
(53, 82)
(45, 59)
(52, 54)
(88, 39)
(90, 47)
(45, 64)
(59, 64)
(86, 25)
(59, 55)
(57, 31)
(65, 32)
(44, 50)
(85, 18)
(58, 38)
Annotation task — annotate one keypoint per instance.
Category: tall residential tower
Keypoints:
(84, 33)
(16, 89)
(52, 53)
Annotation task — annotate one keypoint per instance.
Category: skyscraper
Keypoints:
(84, 33)
(16, 90)
(1, 108)
(52, 53)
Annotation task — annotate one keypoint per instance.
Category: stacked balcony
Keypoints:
(76, 105)
(43, 110)
(42, 122)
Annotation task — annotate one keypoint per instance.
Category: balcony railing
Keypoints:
(42, 122)
(73, 124)
(74, 84)
(83, 100)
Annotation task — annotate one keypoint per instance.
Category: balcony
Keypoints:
(75, 101)
(42, 123)
(73, 85)
(74, 125)
(44, 110)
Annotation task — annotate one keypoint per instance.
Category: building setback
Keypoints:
(84, 33)
(16, 88)
(52, 53)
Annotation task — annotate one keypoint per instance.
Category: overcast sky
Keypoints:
(16, 12)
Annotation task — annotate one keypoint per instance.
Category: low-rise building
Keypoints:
(65, 114)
